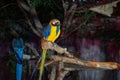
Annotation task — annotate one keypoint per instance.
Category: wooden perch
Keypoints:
(75, 61)
(68, 62)
(53, 72)
(89, 64)
(49, 45)
(71, 62)
(28, 57)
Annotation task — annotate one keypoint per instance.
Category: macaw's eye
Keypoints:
(56, 23)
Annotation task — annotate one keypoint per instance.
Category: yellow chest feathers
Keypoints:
(53, 34)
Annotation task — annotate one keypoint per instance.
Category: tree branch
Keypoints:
(23, 6)
(64, 7)
(73, 60)
(32, 48)
(53, 73)
(34, 16)
(68, 62)
(71, 16)
(49, 45)
(70, 13)
(89, 64)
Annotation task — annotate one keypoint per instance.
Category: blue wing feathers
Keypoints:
(47, 31)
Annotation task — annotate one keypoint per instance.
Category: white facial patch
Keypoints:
(53, 23)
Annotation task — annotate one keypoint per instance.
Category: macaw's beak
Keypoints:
(57, 23)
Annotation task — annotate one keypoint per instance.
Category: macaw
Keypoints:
(18, 47)
(51, 33)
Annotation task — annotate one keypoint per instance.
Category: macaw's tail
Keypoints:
(18, 71)
(42, 64)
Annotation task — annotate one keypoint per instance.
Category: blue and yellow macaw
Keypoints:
(51, 33)
(18, 47)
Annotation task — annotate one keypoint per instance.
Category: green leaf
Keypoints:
(48, 56)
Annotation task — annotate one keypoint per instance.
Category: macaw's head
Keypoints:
(54, 22)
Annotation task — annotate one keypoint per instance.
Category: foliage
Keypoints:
(10, 60)
(44, 3)
(48, 9)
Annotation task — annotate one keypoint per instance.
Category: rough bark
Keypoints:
(68, 58)
(66, 62)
